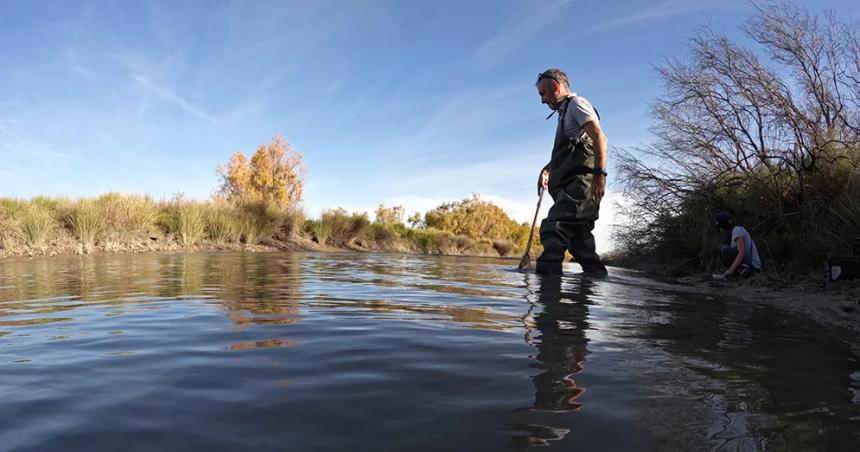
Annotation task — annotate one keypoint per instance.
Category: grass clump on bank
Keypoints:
(37, 220)
(117, 222)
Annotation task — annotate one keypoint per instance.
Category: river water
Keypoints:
(305, 352)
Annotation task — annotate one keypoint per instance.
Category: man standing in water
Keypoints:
(575, 178)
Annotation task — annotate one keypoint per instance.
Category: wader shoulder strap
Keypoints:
(563, 113)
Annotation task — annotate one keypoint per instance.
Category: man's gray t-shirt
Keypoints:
(579, 111)
(750, 251)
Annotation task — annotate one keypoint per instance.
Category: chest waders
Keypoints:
(571, 219)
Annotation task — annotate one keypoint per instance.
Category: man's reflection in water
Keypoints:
(555, 324)
(561, 321)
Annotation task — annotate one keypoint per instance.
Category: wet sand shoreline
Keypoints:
(833, 305)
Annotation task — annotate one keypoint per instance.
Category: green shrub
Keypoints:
(483, 247)
(294, 222)
(384, 234)
(260, 221)
(185, 219)
(317, 230)
(222, 223)
(434, 241)
(344, 228)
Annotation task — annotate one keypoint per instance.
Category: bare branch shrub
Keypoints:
(771, 134)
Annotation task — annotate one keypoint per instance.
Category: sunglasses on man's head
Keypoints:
(542, 76)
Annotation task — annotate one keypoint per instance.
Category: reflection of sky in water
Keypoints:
(335, 351)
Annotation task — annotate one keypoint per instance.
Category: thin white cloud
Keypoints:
(663, 10)
(7, 128)
(74, 63)
(14, 142)
(465, 120)
(259, 45)
(518, 31)
(143, 73)
(172, 97)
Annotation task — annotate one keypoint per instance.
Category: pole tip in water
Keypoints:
(524, 262)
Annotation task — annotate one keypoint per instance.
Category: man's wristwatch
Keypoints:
(599, 172)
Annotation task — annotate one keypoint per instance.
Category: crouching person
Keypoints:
(740, 254)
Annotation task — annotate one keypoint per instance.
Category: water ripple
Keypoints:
(394, 352)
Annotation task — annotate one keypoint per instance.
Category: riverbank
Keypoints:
(65, 247)
(834, 305)
(438, 243)
(133, 223)
(831, 304)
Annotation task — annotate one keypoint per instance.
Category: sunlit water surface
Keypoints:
(356, 352)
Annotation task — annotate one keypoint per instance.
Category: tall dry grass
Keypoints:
(222, 223)
(344, 228)
(260, 221)
(10, 231)
(316, 230)
(186, 220)
(85, 219)
(128, 215)
(38, 220)
(114, 221)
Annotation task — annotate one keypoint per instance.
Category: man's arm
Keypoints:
(593, 130)
(742, 251)
(543, 178)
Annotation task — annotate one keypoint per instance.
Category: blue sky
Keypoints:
(396, 102)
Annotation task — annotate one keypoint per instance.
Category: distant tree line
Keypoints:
(258, 200)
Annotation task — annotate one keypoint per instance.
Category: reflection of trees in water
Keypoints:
(461, 271)
(44, 286)
(253, 288)
(271, 343)
(473, 317)
(556, 325)
(462, 275)
(406, 272)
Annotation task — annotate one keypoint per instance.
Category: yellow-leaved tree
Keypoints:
(274, 176)
(390, 215)
(479, 219)
(473, 217)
